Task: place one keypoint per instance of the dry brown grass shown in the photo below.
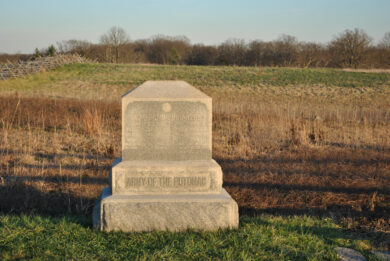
(278, 156)
(367, 70)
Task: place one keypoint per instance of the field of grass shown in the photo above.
(259, 238)
(108, 81)
(291, 142)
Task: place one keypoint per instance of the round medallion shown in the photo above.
(166, 107)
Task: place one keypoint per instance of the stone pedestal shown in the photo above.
(173, 212)
(166, 178)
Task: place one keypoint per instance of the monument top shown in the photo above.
(165, 89)
(166, 120)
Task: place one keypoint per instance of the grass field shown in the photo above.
(291, 142)
(259, 238)
(108, 81)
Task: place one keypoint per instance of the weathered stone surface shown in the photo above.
(166, 120)
(165, 212)
(348, 254)
(166, 177)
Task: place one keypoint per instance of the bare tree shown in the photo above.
(202, 55)
(349, 48)
(286, 50)
(232, 52)
(381, 54)
(385, 42)
(166, 49)
(310, 54)
(115, 38)
(255, 53)
(74, 46)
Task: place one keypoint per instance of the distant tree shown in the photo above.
(140, 51)
(383, 52)
(202, 55)
(74, 46)
(114, 39)
(36, 54)
(174, 57)
(349, 48)
(310, 54)
(256, 52)
(51, 51)
(165, 49)
(385, 42)
(232, 52)
(4, 58)
(97, 52)
(159, 48)
(285, 50)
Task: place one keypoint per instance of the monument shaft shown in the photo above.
(166, 130)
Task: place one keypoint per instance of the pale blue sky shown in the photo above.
(27, 24)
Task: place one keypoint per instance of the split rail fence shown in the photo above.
(22, 68)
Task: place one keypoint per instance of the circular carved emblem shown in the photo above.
(166, 107)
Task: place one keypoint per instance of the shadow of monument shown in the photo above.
(51, 156)
(44, 189)
(292, 187)
(19, 198)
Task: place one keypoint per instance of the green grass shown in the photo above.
(109, 81)
(226, 75)
(258, 238)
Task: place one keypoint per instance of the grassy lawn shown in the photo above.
(259, 238)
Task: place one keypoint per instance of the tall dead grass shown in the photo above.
(253, 125)
(278, 156)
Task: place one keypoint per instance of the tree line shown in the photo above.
(349, 49)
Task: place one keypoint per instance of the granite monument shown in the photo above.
(166, 178)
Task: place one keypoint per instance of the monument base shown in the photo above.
(137, 213)
(146, 177)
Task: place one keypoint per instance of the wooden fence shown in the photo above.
(12, 70)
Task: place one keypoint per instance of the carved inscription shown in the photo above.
(165, 182)
(157, 130)
(156, 180)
